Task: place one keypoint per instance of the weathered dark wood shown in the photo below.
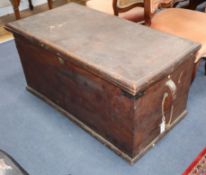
(95, 101)
(148, 112)
(117, 84)
(114, 49)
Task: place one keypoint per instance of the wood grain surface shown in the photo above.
(122, 52)
(127, 83)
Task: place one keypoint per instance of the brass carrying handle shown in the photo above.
(173, 89)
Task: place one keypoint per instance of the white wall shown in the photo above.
(23, 5)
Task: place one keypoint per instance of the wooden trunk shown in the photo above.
(124, 83)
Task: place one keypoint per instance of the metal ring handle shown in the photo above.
(172, 87)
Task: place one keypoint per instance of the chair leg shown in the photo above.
(15, 4)
(31, 5)
(17, 13)
(49, 4)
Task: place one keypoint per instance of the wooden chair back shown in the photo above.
(120, 6)
(150, 6)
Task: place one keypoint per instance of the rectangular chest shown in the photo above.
(124, 83)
